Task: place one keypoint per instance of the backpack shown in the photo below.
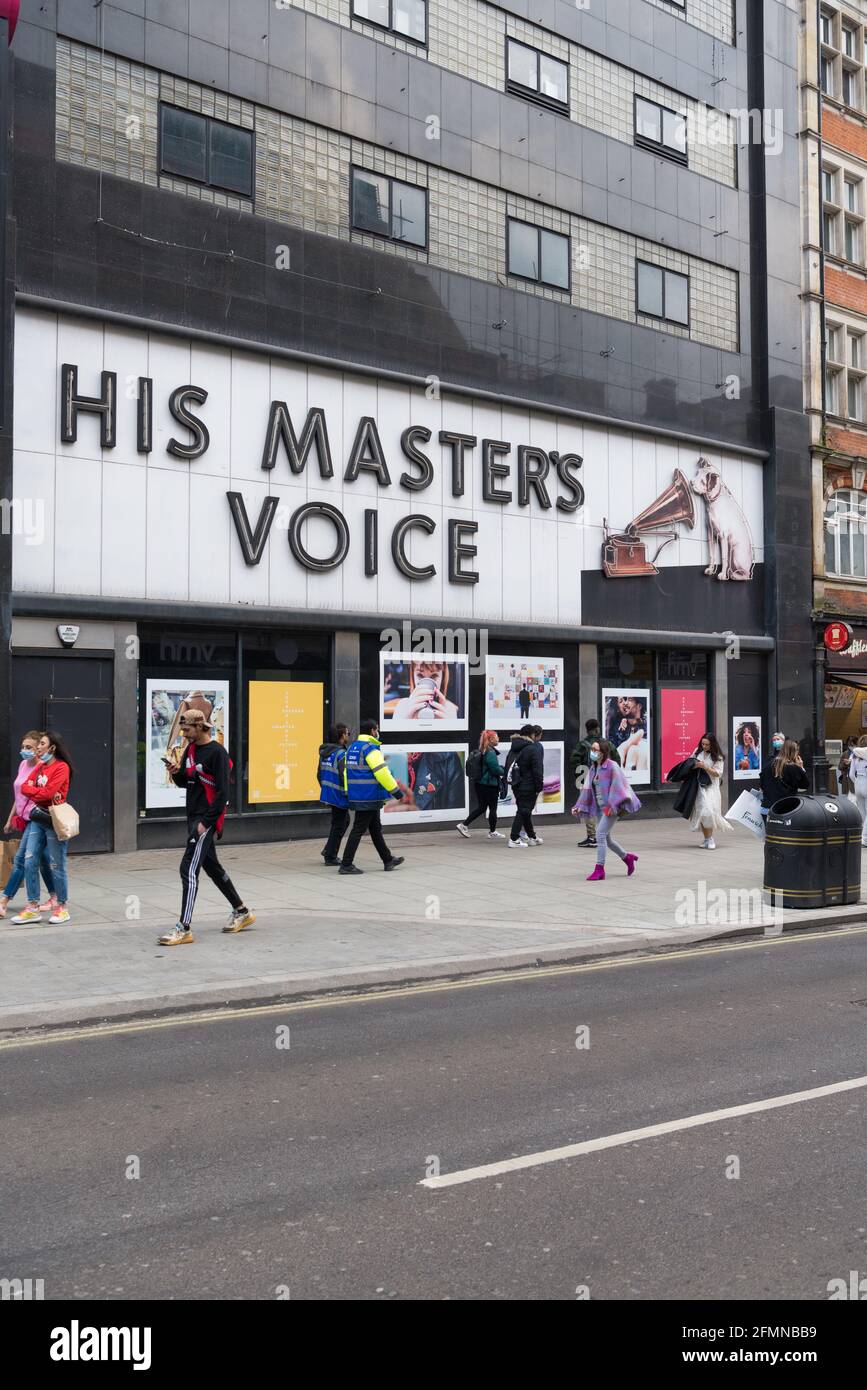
(474, 766)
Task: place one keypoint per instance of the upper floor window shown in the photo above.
(660, 128)
(206, 151)
(826, 27)
(846, 534)
(826, 74)
(534, 253)
(405, 17)
(851, 90)
(851, 189)
(849, 41)
(664, 294)
(529, 72)
(389, 208)
(845, 369)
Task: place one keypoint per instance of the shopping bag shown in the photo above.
(64, 820)
(10, 849)
(745, 812)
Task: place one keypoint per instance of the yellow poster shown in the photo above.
(284, 734)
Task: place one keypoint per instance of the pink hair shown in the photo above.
(489, 739)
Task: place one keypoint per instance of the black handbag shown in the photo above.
(40, 816)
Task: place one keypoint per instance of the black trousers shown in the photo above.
(488, 798)
(364, 822)
(339, 823)
(201, 854)
(524, 816)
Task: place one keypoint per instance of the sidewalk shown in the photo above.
(454, 907)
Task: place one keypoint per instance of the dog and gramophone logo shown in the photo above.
(729, 538)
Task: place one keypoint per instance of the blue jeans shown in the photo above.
(605, 838)
(42, 839)
(16, 878)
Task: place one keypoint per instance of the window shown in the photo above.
(853, 397)
(660, 128)
(846, 534)
(849, 36)
(828, 186)
(852, 240)
(850, 87)
(530, 72)
(826, 27)
(850, 194)
(832, 393)
(829, 239)
(388, 208)
(206, 151)
(664, 294)
(533, 253)
(826, 74)
(832, 343)
(405, 17)
(855, 349)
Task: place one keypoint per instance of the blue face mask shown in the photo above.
(28, 753)
(778, 743)
(46, 757)
(594, 756)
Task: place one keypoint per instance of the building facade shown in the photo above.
(371, 348)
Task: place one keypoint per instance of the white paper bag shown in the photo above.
(745, 812)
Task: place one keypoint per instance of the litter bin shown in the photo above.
(813, 851)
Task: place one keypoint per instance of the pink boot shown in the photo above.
(597, 873)
(630, 861)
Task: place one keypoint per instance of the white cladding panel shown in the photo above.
(117, 523)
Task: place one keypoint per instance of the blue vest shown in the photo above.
(362, 788)
(331, 779)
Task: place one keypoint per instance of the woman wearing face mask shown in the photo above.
(783, 774)
(707, 814)
(47, 785)
(19, 820)
(606, 792)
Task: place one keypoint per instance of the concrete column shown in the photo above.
(346, 704)
(126, 737)
(588, 684)
(719, 680)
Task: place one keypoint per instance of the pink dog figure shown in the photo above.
(727, 527)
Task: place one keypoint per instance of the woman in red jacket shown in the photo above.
(47, 785)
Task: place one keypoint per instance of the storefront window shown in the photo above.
(653, 707)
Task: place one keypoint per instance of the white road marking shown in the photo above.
(630, 1136)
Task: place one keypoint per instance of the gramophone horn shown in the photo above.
(675, 504)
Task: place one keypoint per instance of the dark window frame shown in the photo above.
(390, 179)
(537, 280)
(389, 27)
(657, 147)
(663, 317)
(206, 182)
(561, 108)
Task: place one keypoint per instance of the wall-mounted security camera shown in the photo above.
(68, 634)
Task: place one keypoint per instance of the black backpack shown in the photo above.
(474, 765)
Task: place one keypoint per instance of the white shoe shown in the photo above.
(538, 841)
(462, 830)
(523, 837)
(517, 844)
(496, 835)
(710, 844)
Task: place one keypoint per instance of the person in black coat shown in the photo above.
(783, 775)
(525, 768)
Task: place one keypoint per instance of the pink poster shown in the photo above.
(683, 715)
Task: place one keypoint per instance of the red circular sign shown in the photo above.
(838, 636)
(9, 10)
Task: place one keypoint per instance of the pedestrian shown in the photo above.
(486, 784)
(368, 784)
(784, 775)
(707, 813)
(332, 756)
(47, 785)
(844, 778)
(18, 821)
(581, 759)
(525, 770)
(606, 793)
(204, 774)
(858, 778)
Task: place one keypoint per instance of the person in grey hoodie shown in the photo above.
(525, 771)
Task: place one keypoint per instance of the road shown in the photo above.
(274, 1164)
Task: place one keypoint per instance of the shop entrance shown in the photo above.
(74, 695)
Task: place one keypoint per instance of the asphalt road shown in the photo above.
(268, 1169)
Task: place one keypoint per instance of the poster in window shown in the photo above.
(682, 721)
(436, 776)
(284, 733)
(421, 692)
(523, 690)
(626, 724)
(550, 799)
(167, 699)
(746, 747)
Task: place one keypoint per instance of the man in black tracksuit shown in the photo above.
(528, 759)
(204, 772)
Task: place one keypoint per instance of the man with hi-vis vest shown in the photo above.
(368, 784)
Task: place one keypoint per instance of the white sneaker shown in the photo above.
(517, 844)
(538, 841)
(462, 830)
(710, 844)
(523, 837)
(496, 835)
